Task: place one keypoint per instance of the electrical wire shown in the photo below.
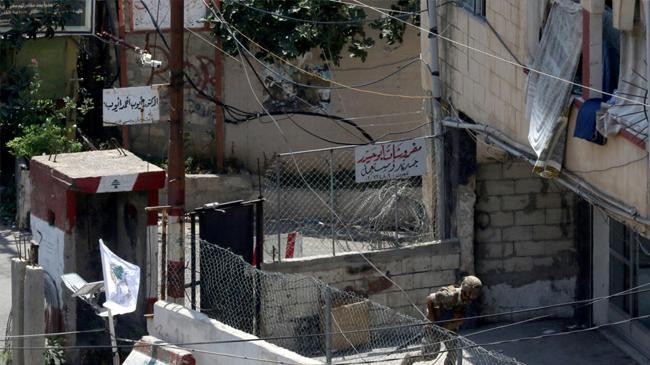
(324, 22)
(321, 77)
(277, 125)
(499, 58)
(645, 156)
(494, 343)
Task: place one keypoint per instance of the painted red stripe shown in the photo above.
(149, 181)
(291, 245)
(152, 217)
(87, 184)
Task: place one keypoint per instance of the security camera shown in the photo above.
(147, 60)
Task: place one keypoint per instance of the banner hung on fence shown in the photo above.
(131, 105)
(386, 161)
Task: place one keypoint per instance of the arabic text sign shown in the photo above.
(390, 160)
(79, 20)
(195, 11)
(131, 105)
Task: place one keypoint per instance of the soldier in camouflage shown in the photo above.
(448, 304)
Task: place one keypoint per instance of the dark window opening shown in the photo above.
(476, 7)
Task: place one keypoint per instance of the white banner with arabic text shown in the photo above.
(388, 161)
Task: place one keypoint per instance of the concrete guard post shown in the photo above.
(34, 316)
(18, 267)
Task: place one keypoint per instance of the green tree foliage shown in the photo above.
(291, 28)
(38, 124)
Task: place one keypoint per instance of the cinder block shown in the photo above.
(524, 218)
(501, 219)
(404, 281)
(489, 171)
(515, 202)
(518, 233)
(557, 215)
(500, 187)
(517, 170)
(518, 264)
(549, 200)
(495, 250)
(554, 247)
(418, 264)
(444, 262)
(488, 235)
(485, 266)
(529, 248)
(547, 232)
(489, 203)
(442, 278)
(531, 185)
(543, 261)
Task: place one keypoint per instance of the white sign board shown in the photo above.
(79, 20)
(387, 161)
(195, 10)
(131, 105)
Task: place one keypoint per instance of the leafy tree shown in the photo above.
(291, 28)
(38, 123)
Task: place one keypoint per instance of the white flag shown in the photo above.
(121, 282)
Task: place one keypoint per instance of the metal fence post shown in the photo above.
(395, 213)
(333, 214)
(278, 185)
(328, 325)
(193, 259)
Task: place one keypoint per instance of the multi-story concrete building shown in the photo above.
(580, 231)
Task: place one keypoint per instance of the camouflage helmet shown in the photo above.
(472, 284)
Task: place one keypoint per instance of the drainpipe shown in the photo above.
(646, 13)
(436, 125)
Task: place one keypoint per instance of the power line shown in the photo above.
(321, 77)
(277, 125)
(324, 22)
(518, 339)
(542, 73)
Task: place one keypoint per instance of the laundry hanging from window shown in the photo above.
(547, 98)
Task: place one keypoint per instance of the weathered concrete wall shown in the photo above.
(259, 139)
(525, 249)
(34, 315)
(419, 270)
(201, 189)
(487, 90)
(628, 178)
(176, 324)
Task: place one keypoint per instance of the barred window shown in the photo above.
(477, 7)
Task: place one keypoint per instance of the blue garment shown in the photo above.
(586, 122)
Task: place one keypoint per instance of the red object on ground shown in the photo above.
(291, 245)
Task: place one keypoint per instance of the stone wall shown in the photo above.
(419, 270)
(525, 249)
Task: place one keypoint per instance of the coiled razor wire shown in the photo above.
(291, 311)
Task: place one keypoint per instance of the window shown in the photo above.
(477, 7)
(629, 267)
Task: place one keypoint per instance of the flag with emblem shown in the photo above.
(121, 282)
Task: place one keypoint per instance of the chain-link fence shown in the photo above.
(306, 316)
(314, 206)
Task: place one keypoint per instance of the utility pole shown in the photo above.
(176, 161)
(219, 129)
(436, 124)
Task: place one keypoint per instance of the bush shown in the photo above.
(46, 138)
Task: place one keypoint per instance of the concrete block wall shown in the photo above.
(525, 249)
(488, 90)
(174, 323)
(418, 270)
